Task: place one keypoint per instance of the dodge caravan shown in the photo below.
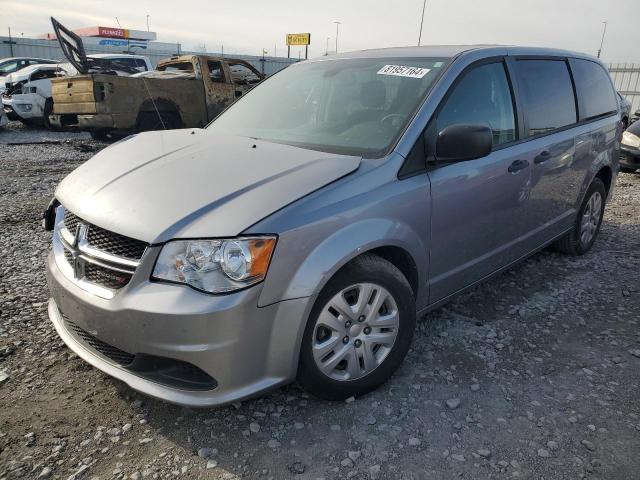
(301, 233)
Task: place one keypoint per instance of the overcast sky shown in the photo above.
(248, 26)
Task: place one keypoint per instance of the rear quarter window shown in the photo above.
(595, 93)
(547, 95)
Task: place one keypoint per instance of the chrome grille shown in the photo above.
(105, 240)
(98, 260)
(115, 244)
(70, 221)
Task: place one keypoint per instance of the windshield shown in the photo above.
(8, 67)
(351, 106)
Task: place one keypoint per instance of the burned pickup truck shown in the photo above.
(183, 91)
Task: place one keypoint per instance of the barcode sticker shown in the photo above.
(403, 71)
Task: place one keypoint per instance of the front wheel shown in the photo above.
(48, 110)
(359, 330)
(585, 231)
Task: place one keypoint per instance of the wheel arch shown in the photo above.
(606, 175)
(161, 107)
(161, 104)
(394, 241)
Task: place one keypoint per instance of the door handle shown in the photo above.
(542, 157)
(518, 165)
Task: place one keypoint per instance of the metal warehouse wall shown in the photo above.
(626, 78)
(27, 47)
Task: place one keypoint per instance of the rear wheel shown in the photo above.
(150, 121)
(585, 231)
(101, 135)
(359, 330)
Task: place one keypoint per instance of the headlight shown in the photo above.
(215, 266)
(630, 139)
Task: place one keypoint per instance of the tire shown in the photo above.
(574, 243)
(351, 376)
(100, 135)
(150, 121)
(48, 110)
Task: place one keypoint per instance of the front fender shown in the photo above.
(307, 278)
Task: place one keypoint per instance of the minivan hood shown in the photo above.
(190, 183)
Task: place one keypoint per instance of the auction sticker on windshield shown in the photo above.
(403, 71)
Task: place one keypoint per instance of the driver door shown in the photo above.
(478, 219)
(218, 88)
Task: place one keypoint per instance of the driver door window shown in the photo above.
(215, 72)
(482, 97)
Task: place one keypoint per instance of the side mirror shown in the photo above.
(463, 142)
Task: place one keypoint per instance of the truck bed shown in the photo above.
(118, 100)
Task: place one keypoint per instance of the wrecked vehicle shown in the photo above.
(13, 64)
(27, 96)
(184, 91)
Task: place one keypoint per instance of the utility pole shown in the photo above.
(337, 25)
(424, 6)
(147, 22)
(326, 52)
(604, 32)
(10, 43)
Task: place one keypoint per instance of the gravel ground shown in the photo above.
(532, 375)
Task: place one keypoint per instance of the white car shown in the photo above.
(13, 64)
(121, 64)
(27, 96)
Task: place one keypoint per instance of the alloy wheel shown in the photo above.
(590, 218)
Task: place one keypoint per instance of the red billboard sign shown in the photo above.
(110, 32)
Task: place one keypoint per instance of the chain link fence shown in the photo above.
(626, 78)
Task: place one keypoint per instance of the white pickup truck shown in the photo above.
(27, 94)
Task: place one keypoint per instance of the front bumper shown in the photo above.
(7, 106)
(629, 156)
(246, 349)
(27, 105)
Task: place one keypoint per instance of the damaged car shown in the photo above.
(183, 91)
(27, 96)
(13, 64)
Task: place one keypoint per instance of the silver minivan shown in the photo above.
(300, 234)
